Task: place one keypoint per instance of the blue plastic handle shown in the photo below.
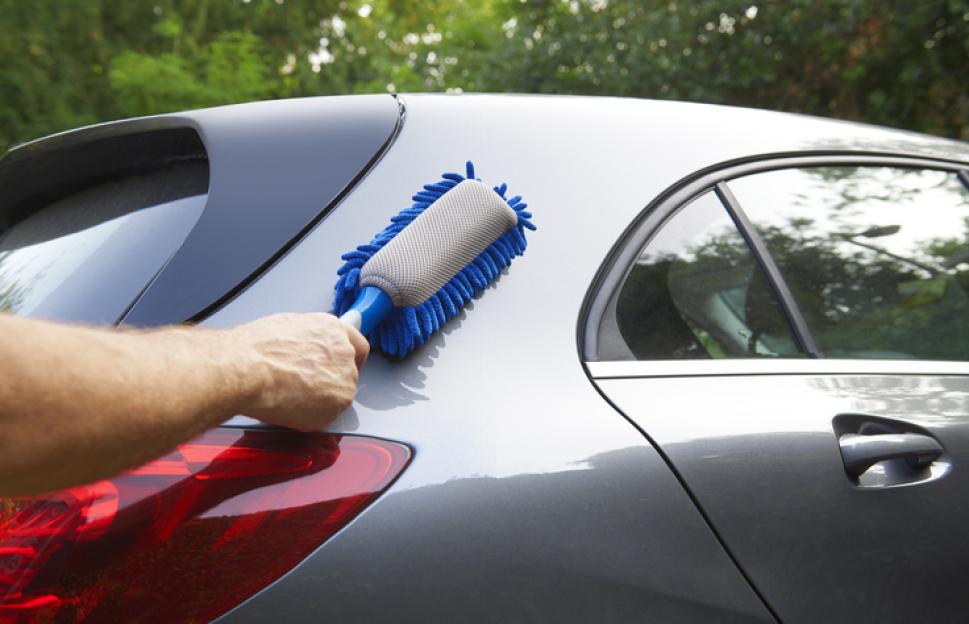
(371, 307)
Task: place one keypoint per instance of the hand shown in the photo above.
(309, 365)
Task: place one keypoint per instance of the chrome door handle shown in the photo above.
(860, 452)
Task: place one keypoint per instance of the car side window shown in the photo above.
(695, 291)
(876, 258)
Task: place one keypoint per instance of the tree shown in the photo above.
(71, 62)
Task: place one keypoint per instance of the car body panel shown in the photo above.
(498, 406)
(612, 539)
(761, 454)
(514, 448)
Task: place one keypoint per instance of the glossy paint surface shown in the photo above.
(529, 496)
(762, 457)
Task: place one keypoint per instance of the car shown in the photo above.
(727, 381)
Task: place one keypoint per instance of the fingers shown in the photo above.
(360, 346)
(313, 363)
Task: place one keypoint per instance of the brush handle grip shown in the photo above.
(371, 307)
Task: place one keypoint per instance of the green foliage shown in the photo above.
(231, 69)
(147, 84)
(895, 62)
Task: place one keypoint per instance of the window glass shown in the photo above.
(87, 256)
(877, 258)
(696, 292)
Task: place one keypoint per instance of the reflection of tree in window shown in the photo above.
(11, 290)
(875, 257)
(695, 292)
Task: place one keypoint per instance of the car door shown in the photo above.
(793, 335)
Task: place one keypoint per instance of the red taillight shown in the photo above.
(189, 536)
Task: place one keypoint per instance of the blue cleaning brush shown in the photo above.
(432, 259)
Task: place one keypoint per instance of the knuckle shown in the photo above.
(344, 350)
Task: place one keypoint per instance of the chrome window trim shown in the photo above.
(773, 366)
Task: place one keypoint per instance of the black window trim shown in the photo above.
(765, 261)
(614, 269)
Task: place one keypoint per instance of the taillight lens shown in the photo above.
(189, 536)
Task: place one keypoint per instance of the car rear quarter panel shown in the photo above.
(529, 496)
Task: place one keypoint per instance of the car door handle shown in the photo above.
(860, 452)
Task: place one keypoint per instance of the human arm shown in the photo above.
(82, 403)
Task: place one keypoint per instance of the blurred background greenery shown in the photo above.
(891, 62)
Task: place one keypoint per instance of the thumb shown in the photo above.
(360, 346)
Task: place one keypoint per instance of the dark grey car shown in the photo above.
(725, 383)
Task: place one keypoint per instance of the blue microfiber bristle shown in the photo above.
(407, 328)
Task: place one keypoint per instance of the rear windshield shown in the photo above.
(87, 256)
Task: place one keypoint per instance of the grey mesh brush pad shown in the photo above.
(441, 241)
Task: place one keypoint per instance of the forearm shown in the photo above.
(78, 404)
